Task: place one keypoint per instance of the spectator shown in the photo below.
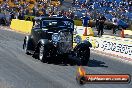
(26, 11)
(64, 15)
(72, 15)
(43, 10)
(2, 21)
(12, 15)
(61, 1)
(8, 19)
(20, 16)
(59, 14)
(86, 20)
(73, 2)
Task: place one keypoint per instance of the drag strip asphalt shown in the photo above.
(18, 70)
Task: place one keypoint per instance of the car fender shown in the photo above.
(87, 43)
(84, 44)
(46, 42)
(26, 39)
(42, 42)
(30, 42)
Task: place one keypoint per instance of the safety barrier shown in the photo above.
(79, 23)
(21, 25)
(86, 31)
(128, 32)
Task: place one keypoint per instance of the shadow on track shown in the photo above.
(96, 63)
(70, 62)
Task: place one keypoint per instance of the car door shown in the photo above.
(36, 32)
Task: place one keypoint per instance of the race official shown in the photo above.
(101, 25)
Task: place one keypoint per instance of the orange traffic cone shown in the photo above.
(85, 32)
(122, 33)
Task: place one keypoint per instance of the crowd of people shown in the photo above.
(111, 10)
(22, 8)
(122, 9)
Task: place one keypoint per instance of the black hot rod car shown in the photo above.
(51, 37)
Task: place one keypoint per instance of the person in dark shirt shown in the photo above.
(97, 23)
(12, 15)
(21, 16)
(101, 25)
(44, 10)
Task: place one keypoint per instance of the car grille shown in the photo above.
(65, 43)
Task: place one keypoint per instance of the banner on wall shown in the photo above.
(113, 46)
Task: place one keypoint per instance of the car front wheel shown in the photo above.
(42, 53)
(83, 55)
(26, 46)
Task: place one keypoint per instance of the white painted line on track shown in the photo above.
(9, 29)
(114, 57)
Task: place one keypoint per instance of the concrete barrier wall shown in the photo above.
(128, 32)
(21, 25)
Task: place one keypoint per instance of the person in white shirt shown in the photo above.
(115, 23)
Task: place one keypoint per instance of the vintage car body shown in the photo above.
(51, 37)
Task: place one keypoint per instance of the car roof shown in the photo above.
(51, 18)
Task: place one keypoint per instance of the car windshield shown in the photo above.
(57, 23)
